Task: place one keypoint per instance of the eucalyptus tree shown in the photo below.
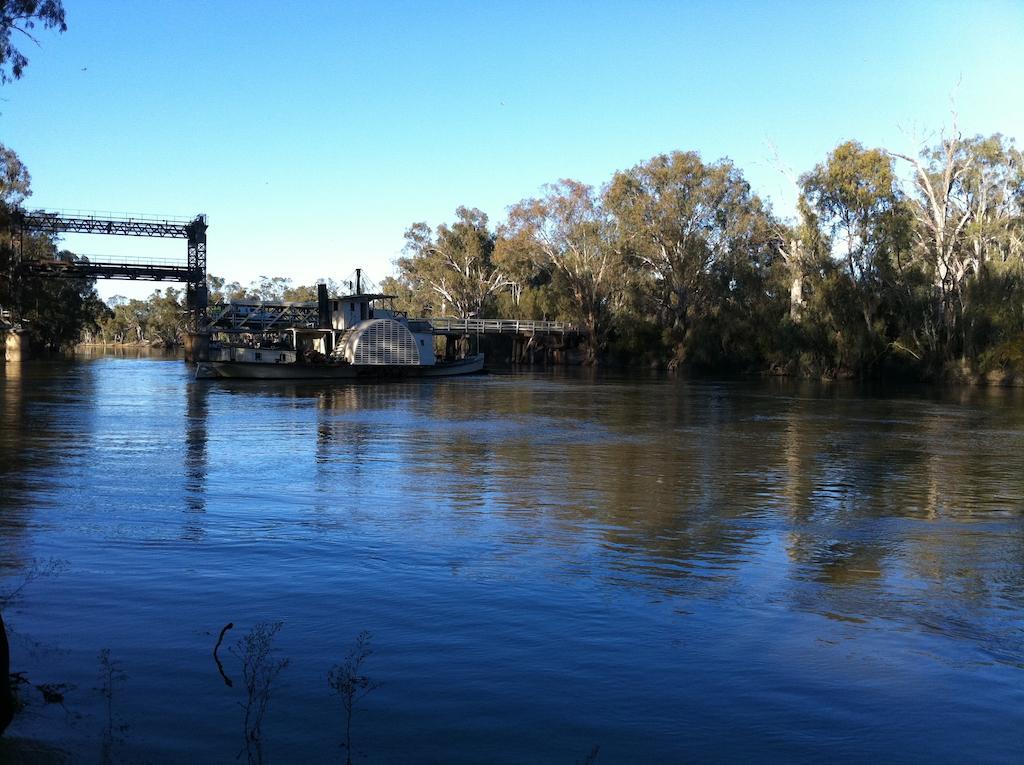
(994, 184)
(518, 260)
(967, 207)
(855, 196)
(803, 251)
(569, 233)
(166, 321)
(853, 193)
(993, 297)
(55, 311)
(126, 322)
(22, 16)
(413, 302)
(15, 186)
(942, 213)
(454, 263)
(685, 223)
(223, 291)
(15, 182)
(271, 288)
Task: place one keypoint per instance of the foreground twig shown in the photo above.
(110, 674)
(216, 658)
(348, 683)
(259, 669)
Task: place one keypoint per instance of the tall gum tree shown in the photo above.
(678, 217)
(967, 207)
(568, 232)
(942, 215)
(801, 247)
(851, 192)
(854, 195)
(455, 263)
(996, 192)
(15, 187)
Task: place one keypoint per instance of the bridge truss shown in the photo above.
(258, 316)
(191, 271)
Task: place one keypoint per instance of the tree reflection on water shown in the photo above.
(492, 517)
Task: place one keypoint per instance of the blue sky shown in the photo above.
(313, 134)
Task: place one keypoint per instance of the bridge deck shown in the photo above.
(445, 326)
(153, 270)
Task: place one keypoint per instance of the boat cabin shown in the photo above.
(348, 310)
(367, 330)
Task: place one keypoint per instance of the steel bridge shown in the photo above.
(111, 267)
(191, 270)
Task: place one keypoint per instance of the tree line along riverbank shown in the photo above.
(896, 265)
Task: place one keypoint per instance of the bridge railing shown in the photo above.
(502, 326)
(113, 215)
(123, 260)
(161, 227)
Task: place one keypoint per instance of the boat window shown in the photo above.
(259, 356)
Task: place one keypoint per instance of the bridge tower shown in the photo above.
(197, 293)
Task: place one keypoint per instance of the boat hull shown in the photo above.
(245, 370)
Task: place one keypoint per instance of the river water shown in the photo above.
(545, 563)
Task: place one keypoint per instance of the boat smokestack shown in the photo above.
(323, 306)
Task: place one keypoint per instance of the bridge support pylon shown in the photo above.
(197, 346)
